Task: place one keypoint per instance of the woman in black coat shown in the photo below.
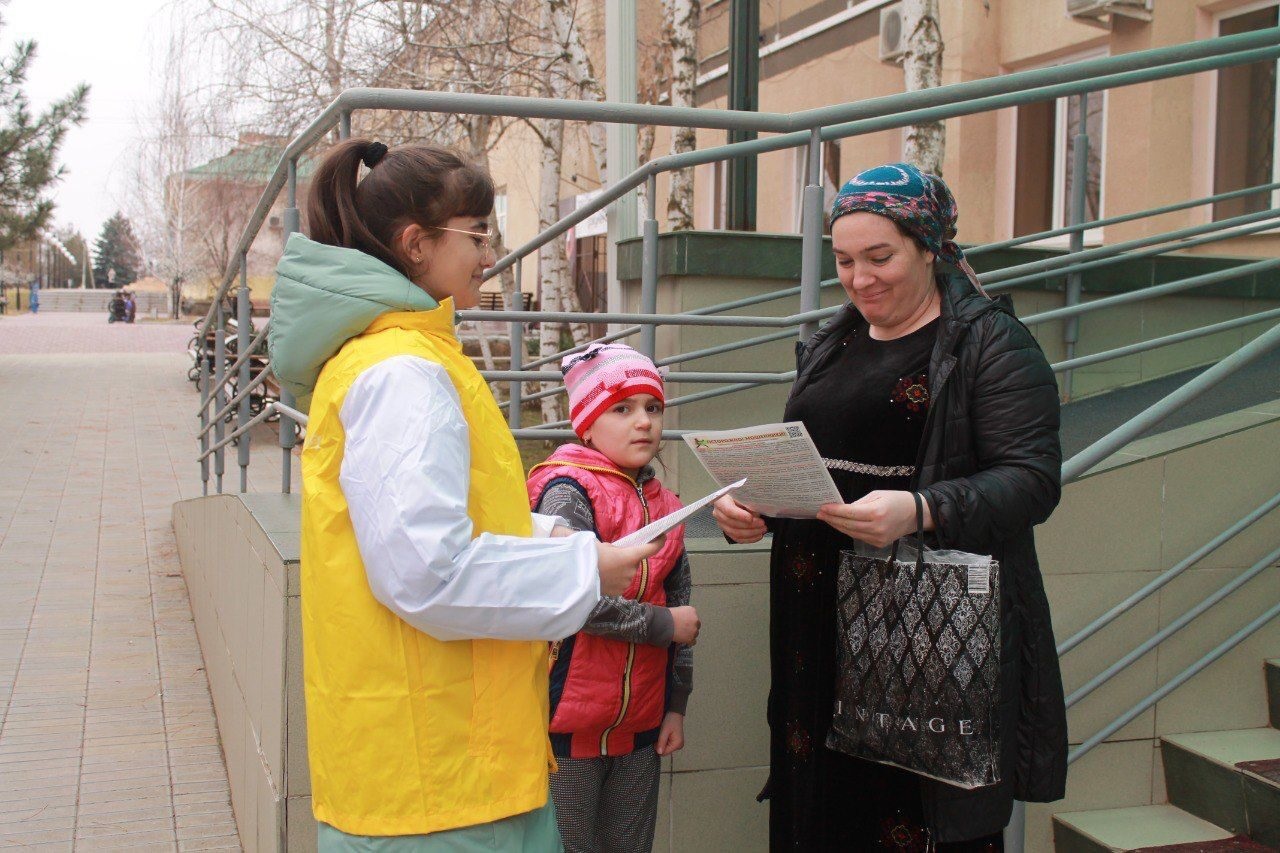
(921, 384)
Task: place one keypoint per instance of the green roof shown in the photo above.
(252, 164)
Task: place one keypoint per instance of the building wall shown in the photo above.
(1157, 137)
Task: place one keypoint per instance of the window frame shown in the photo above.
(1058, 215)
(1218, 17)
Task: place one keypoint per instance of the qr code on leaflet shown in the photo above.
(793, 432)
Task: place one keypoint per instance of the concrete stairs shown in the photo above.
(1223, 789)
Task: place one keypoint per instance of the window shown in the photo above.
(1045, 151)
(1245, 127)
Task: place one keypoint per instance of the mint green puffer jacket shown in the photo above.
(324, 296)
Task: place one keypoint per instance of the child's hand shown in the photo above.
(739, 523)
(671, 735)
(687, 625)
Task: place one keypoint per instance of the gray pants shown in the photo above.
(607, 805)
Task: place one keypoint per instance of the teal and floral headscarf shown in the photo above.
(921, 203)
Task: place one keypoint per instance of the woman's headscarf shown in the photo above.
(921, 203)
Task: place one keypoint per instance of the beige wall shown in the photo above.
(1157, 136)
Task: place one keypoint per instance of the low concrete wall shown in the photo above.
(1135, 516)
(239, 557)
(94, 301)
(1138, 514)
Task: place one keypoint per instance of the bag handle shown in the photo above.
(893, 554)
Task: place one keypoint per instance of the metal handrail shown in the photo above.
(958, 99)
(1066, 265)
(718, 308)
(911, 107)
(734, 346)
(249, 351)
(675, 376)
(234, 401)
(1050, 267)
(1042, 317)
(1172, 628)
(1082, 462)
(1116, 220)
(1180, 246)
(1150, 292)
(1164, 341)
(810, 128)
(267, 411)
(1138, 295)
(949, 101)
(1173, 684)
(1157, 583)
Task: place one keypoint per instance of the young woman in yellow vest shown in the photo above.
(429, 590)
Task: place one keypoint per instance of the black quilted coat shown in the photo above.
(989, 467)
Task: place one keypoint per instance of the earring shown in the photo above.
(417, 260)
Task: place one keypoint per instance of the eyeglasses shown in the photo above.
(485, 239)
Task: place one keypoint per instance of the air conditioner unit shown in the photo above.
(1095, 9)
(893, 37)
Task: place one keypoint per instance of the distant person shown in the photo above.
(130, 306)
(34, 299)
(116, 312)
(428, 597)
(620, 686)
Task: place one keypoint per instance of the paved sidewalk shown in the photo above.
(107, 733)
(59, 332)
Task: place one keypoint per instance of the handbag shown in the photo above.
(918, 661)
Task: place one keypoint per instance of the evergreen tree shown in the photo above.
(116, 249)
(29, 148)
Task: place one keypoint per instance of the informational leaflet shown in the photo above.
(650, 532)
(786, 477)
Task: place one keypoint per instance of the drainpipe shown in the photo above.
(744, 94)
(1079, 180)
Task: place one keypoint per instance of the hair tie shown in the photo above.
(373, 154)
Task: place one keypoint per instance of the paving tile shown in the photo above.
(221, 842)
(104, 696)
(103, 826)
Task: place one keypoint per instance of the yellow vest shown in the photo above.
(407, 734)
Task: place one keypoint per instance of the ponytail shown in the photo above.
(418, 184)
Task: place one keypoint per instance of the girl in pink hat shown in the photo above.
(620, 686)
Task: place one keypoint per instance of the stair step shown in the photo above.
(1137, 828)
(1229, 778)
(1272, 670)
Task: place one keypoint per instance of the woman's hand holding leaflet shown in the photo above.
(879, 518)
(618, 566)
(739, 523)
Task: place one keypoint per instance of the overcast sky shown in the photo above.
(109, 46)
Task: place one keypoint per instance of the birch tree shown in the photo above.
(682, 24)
(577, 66)
(173, 138)
(922, 69)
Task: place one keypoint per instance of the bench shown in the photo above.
(494, 301)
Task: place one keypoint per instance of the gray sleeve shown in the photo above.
(614, 617)
(679, 586)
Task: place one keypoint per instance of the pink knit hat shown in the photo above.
(603, 375)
